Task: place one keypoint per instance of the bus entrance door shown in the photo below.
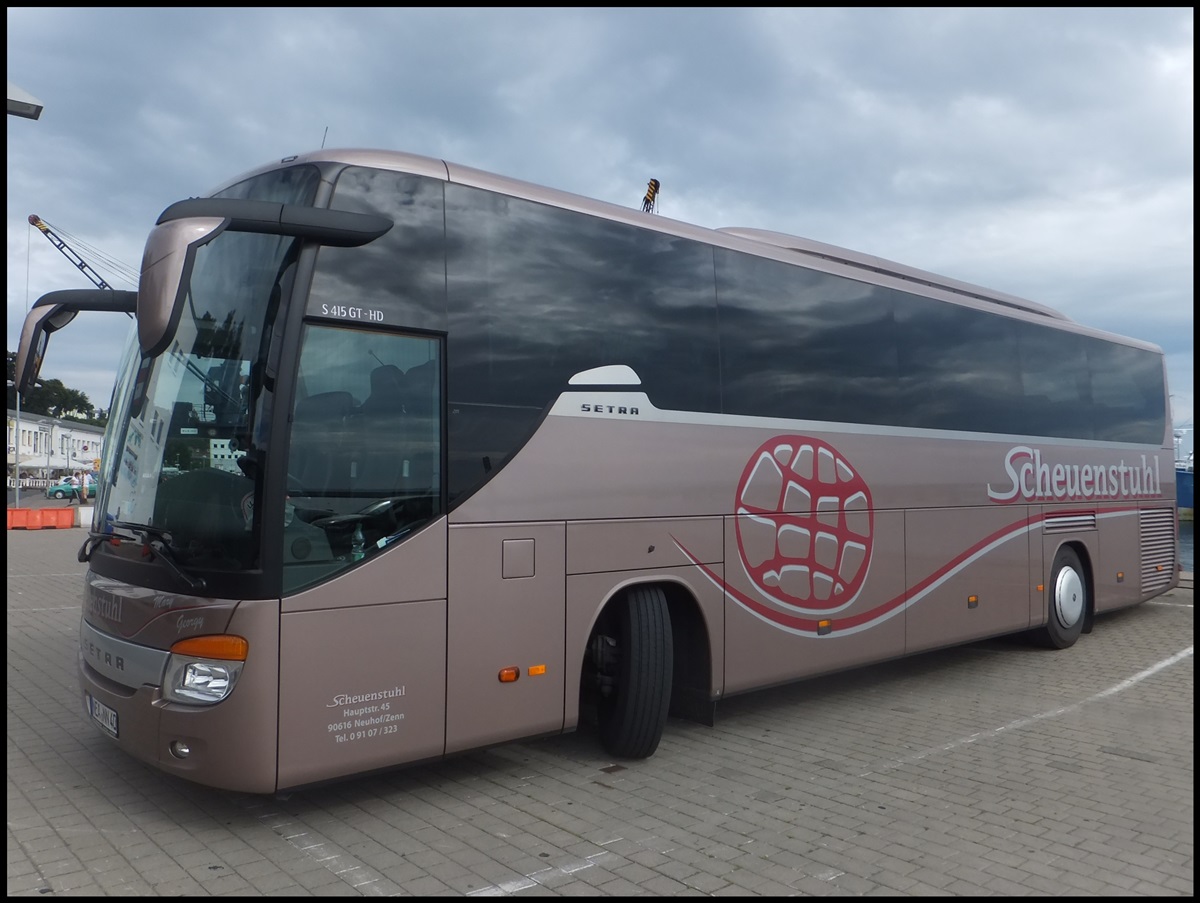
(362, 665)
(506, 618)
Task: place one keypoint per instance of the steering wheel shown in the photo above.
(377, 508)
(339, 520)
(335, 521)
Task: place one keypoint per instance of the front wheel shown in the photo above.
(1068, 602)
(633, 656)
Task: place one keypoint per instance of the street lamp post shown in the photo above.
(17, 453)
(17, 449)
(23, 104)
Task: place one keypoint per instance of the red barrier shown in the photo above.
(55, 518)
(58, 518)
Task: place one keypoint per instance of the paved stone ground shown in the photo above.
(993, 769)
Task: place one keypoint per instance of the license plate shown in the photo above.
(103, 716)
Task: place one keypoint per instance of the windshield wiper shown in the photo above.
(89, 545)
(156, 539)
(164, 551)
(94, 539)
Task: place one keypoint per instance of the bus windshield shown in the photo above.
(194, 412)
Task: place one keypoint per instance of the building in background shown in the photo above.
(49, 448)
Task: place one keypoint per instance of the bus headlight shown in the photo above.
(199, 681)
(204, 670)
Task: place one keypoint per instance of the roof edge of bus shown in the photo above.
(858, 259)
(811, 248)
(403, 161)
(357, 156)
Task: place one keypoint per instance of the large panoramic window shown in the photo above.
(537, 294)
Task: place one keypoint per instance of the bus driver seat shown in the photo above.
(319, 457)
(422, 403)
(387, 392)
(381, 433)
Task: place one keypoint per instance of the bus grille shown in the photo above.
(1157, 527)
(1070, 523)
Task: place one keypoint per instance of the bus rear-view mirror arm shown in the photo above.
(335, 228)
(52, 312)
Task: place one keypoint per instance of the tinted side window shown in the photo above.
(800, 343)
(295, 185)
(959, 368)
(537, 294)
(364, 458)
(532, 294)
(1127, 392)
(398, 280)
(1055, 392)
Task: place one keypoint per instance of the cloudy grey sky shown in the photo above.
(1047, 153)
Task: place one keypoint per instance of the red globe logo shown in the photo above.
(805, 524)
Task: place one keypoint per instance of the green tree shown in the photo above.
(50, 397)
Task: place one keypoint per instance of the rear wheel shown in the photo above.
(1068, 602)
(633, 658)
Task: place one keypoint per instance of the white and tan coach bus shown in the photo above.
(408, 459)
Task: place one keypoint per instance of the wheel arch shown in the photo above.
(692, 689)
(692, 638)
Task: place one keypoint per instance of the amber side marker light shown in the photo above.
(972, 601)
(1121, 576)
(224, 647)
(824, 628)
(508, 675)
(1041, 587)
(535, 670)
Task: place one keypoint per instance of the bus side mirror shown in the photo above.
(52, 312)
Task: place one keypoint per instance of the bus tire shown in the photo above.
(631, 718)
(1068, 602)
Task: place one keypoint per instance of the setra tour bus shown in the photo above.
(407, 459)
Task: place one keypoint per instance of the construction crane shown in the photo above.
(35, 220)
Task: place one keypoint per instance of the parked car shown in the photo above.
(62, 489)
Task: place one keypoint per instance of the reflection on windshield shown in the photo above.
(118, 411)
(364, 466)
(189, 414)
